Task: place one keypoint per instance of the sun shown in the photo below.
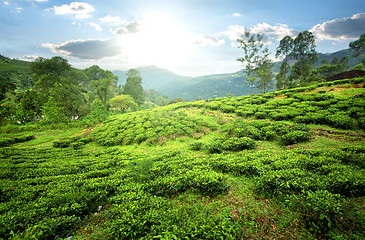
(160, 41)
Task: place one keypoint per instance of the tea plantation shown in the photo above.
(289, 166)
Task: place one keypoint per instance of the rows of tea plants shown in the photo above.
(151, 126)
(159, 126)
(166, 173)
(297, 105)
(48, 193)
(323, 185)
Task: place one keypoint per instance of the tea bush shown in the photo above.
(321, 210)
(294, 137)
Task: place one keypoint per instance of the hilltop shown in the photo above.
(289, 166)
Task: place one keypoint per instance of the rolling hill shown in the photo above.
(288, 166)
(210, 86)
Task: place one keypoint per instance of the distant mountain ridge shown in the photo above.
(174, 86)
(152, 77)
(211, 86)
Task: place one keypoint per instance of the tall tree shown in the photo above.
(282, 76)
(255, 53)
(358, 45)
(283, 50)
(265, 75)
(102, 82)
(123, 102)
(6, 85)
(304, 52)
(54, 78)
(133, 86)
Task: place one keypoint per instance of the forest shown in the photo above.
(85, 158)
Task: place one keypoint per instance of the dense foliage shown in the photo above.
(289, 166)
(52, 92)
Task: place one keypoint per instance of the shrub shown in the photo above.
(260, 115)
(342, 121)
(294, 137)
(196, 146)
(321, 210)
(238, 144)
(7, 141)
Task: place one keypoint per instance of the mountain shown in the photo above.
(207, 87)
(353, 61)
(152, 77)
(211, 86)
(190, 88)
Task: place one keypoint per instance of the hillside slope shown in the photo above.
(289, 166)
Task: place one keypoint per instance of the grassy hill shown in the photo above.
(13, 66)
(289, 166)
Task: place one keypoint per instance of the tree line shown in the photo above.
(299, 58)
(56, 92)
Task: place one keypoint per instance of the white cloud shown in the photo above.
(6, 3)
(113, 21)
(208, 41)
(236, 15)
(80, 10)
(19, 9)
(41, 0)
(270, 33)
(29, 57)
(96, 26)
(341, 29)
(86, 49)
(131, 27)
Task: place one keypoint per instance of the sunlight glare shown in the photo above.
(159, 42)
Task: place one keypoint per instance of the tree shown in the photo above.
(123, 102)
(335, 60)
(98, 110)
(299, 72)
(324, 71)
(265, 75)
(30, 105)
(360, 66)
(56, 65)
(6, 85)
(281, 77)
(344, 62)
(54, 78)
(254, 55)
(52, 113)
(304, 52)
(133, 86)
(358, 45)
(102, 82)
(283, 50)
(324, 61)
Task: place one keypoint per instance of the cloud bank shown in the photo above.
(112, 20)
(86, 49)
(131, 27)
(208, 41)
(341, 29)
(80, 10)
(270, 32)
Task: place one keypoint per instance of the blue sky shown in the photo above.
(188, 37)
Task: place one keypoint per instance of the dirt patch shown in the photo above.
(336, 134)
(346, 75)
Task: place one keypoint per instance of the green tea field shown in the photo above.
(291, 165)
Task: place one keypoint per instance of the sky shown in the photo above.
(188, 37)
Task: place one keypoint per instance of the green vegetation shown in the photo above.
(52, 92)
(288, 166)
